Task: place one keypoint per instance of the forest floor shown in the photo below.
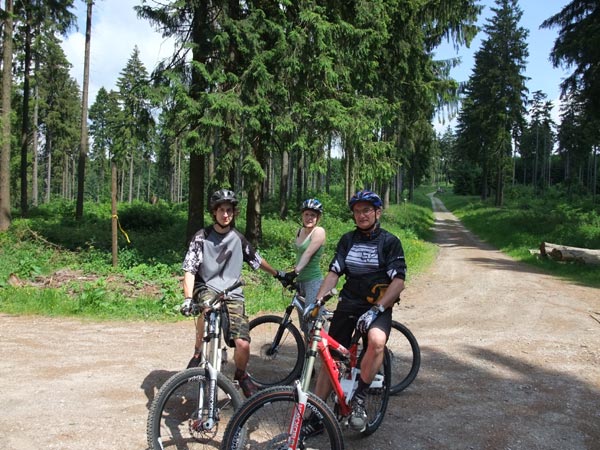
(510, 360)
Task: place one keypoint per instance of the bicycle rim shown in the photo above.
(271, 365)
(175, 419)
(405, 356)
(264, 420)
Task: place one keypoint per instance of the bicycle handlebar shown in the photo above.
(197, 308)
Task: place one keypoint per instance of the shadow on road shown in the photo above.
(153, 381)
(485, 399)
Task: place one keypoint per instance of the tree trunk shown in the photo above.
(7, 44)
(25, 112)
(283, 184)
(49, 167)
(567, 253)
(300, 177)
(130, 197)
(83, 146)
(253, 210)
(113, 205)
(196, 205)
(328, 173)
(253, 215)
(34, 140)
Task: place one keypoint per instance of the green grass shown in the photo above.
(526, 220)
(65, 268)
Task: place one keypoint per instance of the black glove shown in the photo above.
(286, 279)
(186, 307)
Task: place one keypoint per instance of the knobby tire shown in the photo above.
(263, 422)
(173, 414)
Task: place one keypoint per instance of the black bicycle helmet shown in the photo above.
(222, 196)
(365, 196)
(313, 204)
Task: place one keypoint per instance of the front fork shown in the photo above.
(297, 417)
(285, 320)
(212, 416)
(210, 349)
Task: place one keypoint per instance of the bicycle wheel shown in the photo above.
(377, 398)
(405, 357)
(263, 422)
(175, 421)
(276, 352)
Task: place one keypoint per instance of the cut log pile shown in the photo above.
(566, 253)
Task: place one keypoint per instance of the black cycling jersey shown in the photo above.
(369, 262)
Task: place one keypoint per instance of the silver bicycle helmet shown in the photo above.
(313, 204)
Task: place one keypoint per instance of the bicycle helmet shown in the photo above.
(222, 196)
(365, 196)
(312, 204)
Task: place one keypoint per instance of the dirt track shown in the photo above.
(511, 360)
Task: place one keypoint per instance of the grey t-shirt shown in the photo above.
(216, 259)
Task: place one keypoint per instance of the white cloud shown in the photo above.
(116, 30)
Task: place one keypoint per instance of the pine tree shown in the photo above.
(493, 114)
(105, 122)
(577, 47)
(7, 46)
(60, 115)
(138, 124)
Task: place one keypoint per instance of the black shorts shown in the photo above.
(345, 317)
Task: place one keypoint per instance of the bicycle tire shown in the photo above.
(376, 400)
(405, 356)
(283, 366)
(264, 421)
(172, 412)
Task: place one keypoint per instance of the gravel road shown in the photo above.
(510, 360)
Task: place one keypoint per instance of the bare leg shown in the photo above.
(199, 334)
(323, 384)
(373, 357)
(241, 354)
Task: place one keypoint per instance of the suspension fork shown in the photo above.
(212, 360)
(211, 395)
(297, 417)
(285, 320)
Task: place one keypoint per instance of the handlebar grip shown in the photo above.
(328, 295)
(315, 312)
(234, 286)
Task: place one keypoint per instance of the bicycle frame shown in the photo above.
(212, 346)
(323, 345)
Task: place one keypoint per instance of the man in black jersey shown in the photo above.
(372, 261)
(213, 263)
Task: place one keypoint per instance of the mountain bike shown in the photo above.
(277, 351)
(193, 406)
(273, 417)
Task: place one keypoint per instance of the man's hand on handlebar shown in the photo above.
(311, 310)
(186, 307)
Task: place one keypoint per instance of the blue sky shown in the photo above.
(116, 30)
(543, 76)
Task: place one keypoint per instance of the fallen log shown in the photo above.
(566, 253)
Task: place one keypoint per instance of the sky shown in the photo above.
(116, 30)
